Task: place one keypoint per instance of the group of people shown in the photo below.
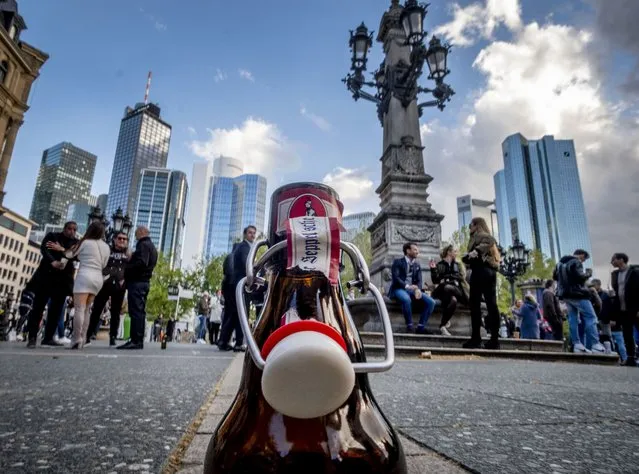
(452, 285)
(93, 273)
(571, 285)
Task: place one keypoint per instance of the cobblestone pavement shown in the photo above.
(503, 416)
(100, 410)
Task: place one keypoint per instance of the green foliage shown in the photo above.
(363, 242)
(158, 303)
(206, 276)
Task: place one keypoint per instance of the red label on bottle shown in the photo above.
(305, 202)
(313, 245)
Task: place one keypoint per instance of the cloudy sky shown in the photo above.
(260, 81)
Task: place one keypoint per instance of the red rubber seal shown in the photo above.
(299, 326)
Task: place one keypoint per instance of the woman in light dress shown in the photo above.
(93, 254)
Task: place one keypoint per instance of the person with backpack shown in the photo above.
(571, 288)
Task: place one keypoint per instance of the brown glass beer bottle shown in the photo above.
(305, 405)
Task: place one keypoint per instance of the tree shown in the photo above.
(363, 242)
(459, 239)
(206, 276)
(158, 303)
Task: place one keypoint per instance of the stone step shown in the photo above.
(454, 342)
(377, 350)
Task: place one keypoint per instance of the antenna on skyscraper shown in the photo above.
(148, 87)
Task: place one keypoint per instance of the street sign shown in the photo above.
(174, 292)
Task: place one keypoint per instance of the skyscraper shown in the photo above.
(196, 224)
(544, 201)
(143, 143)
(233, 204)
(356, 223)
(501, 205)
(469, 208)
(102, 201)
(79, 213)
(161, 207)
(65, 177)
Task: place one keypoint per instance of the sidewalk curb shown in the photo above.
(194, 443)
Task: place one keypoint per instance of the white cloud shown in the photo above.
(477, 21)
(319, 122)
(260, 145)
(157, 23)
(191, 131)
(545, 80)
(246, 74)
(219, 75)
(355, 189)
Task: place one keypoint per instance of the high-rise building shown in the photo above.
(65, 176)
(233, 204)
(544, 201)
(356, 223)
(501, 206)
(102, 201)
(20, 65)
(199, 200)
(161, 207)
(143, 143)
(468, 208)
(78, 212)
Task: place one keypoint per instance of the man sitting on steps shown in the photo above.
(407, 285)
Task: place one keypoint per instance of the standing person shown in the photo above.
(215, 318)
(93, 254)
(407, 285)
(625, 283)
(571, 278)
(483, 258)
(203, 311)
(137, 273)
(231, 319)
(53, 280)
(113, 288)
(452, 288)
(552, 311)
(530, 318)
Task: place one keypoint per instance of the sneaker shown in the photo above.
(599, 348)
(31, 344)
(580, 348)
(627, 363)
(51, 342)
(448, 325)
(65, 340)
(87, 343)
(444, 331)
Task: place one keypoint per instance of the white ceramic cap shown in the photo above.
(307, 374)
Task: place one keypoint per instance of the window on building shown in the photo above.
(4, 71)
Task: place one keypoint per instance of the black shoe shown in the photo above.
(423, 330)
(472, 344)
(241, 348)
(112, 341)
(75, 347)
(31, 344)
(52, 343)
(224, 347)
(130, 345)
(628, 363)
(493, 344)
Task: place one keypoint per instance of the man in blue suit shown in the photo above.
(407, 286)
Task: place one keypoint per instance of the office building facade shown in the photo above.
(544, 200)
(78, 212)
(65, 176)
(356, 223)
(143, 142)
(18, 258)
(161, 207)
(20, 65)
(101, 202)
(233, 204)
(501, 206)
(469, 208)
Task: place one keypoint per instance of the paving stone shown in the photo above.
(197, 450)
(209, 424)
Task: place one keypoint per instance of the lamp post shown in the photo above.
(406, 215)
(119, 222)
(514, 263)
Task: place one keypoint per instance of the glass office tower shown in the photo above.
(161, 207)
(65, 177)
(544, 201)
(234, 203)
(143, 143)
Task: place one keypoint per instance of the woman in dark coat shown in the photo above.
(450, 277)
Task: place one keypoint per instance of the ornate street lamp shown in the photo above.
(119, 222)
(514, 263)
(96, 215)
(400, 80)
